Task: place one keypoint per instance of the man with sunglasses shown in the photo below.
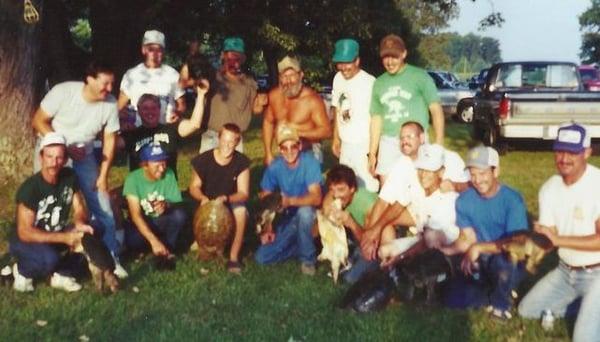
(297, 175)
(151, 76)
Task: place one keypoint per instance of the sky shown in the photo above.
(532, 30)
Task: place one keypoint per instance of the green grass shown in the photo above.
(265, 303)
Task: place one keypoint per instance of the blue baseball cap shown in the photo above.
(572, 138)
(153, 152)
(346, 51)
(235, 44)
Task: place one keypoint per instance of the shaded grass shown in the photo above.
(265, 303)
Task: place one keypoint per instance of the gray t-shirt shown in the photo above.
(78, 120)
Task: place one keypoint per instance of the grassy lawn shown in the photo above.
(201, 301)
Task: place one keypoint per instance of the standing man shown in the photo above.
(224, 174)
(351, 97)
(234, 97)
(80, 111)
(486, 213)
(152, 77)
(297, 175)
(299, 107)
(403, 93)
(44, 202)
(570, 218)
(153, 198)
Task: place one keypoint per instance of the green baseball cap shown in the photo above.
(233, 44)
(346, 51)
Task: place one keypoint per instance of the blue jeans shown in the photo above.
(496, 279)
(559, 290)
(360, 266)
(166, 227)
(98, 203)
(293, 238)
(38, 260)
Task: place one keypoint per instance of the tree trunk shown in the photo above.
(21, 83)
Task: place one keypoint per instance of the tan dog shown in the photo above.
(530, 247)
(335, 244)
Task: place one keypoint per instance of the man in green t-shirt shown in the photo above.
(402, 93)
(44, 202)
(152, 196)
(356, 204)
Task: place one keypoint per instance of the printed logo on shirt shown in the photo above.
(394, 99)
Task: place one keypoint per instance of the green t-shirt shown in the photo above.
(402, 97)
(137, 185)
(361, 203)
(50, 202)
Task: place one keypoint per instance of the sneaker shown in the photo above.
(308, 269)
(21, 283)
(120, 271)
(69, 284)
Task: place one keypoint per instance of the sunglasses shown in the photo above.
(289, 148)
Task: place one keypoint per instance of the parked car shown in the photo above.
(478, 80)
(590, 76)
(450, 92)
(531, 100)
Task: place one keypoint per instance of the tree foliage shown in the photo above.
(589, 22)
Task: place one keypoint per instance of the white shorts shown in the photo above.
(389, 152)
(354, 155)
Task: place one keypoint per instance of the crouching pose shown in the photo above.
(297, 175)
(570, 218)
(486, 214)
(44, 201)
(153, 197)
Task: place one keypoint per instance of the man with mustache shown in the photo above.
(80, 111)
(296, 105)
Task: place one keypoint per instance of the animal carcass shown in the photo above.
(335, 244)
(100, 262)
(269, 207)
(530, 247)
(213, 225)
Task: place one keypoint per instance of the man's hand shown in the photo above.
(84, 228)
(336, 147)
(202, 86)
(286, 201)
(160, 207)
(267, 237)
(370, 243)
(101, 184)
(268, 159)
(372, 164)
(159, 249)
(469, 262)
(549, 232)
(73, 238)
(76, 151)
(221, 199)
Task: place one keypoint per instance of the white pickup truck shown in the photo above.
(531, 100)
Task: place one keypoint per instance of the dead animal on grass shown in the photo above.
(529, 247)
(100, 262)
(269, 208)
(372, 292)
(213, 225)
(335, 244)
(424, 271)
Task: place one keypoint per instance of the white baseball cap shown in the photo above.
(53, 138)
(430, 157)
(154, 37)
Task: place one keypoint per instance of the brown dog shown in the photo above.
(100, 263)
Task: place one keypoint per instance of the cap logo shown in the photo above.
(569, 136)
(156, 150)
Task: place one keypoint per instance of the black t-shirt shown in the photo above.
(167, 135)
(50, 202)
(218, 179)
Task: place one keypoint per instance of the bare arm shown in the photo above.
(336, 143)
(243, 188)
(80, 215)
(135, 212)
(189, 126)
(466, 239)
(260, 101)
(30, 234)
(437, 119)
(374, 136)
(41, 122)
(122, 101)
(268, 127)
(196, 188)
(583, 243)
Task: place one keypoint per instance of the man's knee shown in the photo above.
(306, 216)
(178, 216)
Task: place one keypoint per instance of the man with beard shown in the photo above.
(298, 106)
(152, 76)
(233, 98)
(223, 174)
(80, 111)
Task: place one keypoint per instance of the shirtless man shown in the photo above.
(298, 106)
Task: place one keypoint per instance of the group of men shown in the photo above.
(390, 181)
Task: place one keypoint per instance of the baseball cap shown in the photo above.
(288, 62)
(285, 133)
(235, 44)
(346, 50)
(572, 138)
(391, 45)
(430, 157)
(153, 152)
(154, 37)
(483, 157)
(53, 138)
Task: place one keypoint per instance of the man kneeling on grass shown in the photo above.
(297, 175)
(44, 201)
(152, 197)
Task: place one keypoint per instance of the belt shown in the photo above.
(580, 268)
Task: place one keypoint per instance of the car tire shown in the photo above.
(465, 114)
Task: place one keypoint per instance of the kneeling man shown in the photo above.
(297, 175)
(153, 198)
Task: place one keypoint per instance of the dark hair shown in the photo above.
(341, 174)
(148, 97)
(97, 67)
(231, 127)
(413, 123)
(199, 67)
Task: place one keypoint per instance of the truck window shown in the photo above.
(537, 76)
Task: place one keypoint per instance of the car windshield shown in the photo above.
(588, 74)
(536, 76)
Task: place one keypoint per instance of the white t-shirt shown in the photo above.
(455, 168)
(162, 82)
(75, 118)
(352, 99)
(438, 212)
(573, 210)
(402, 184)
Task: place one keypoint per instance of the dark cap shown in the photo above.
(391, 45)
